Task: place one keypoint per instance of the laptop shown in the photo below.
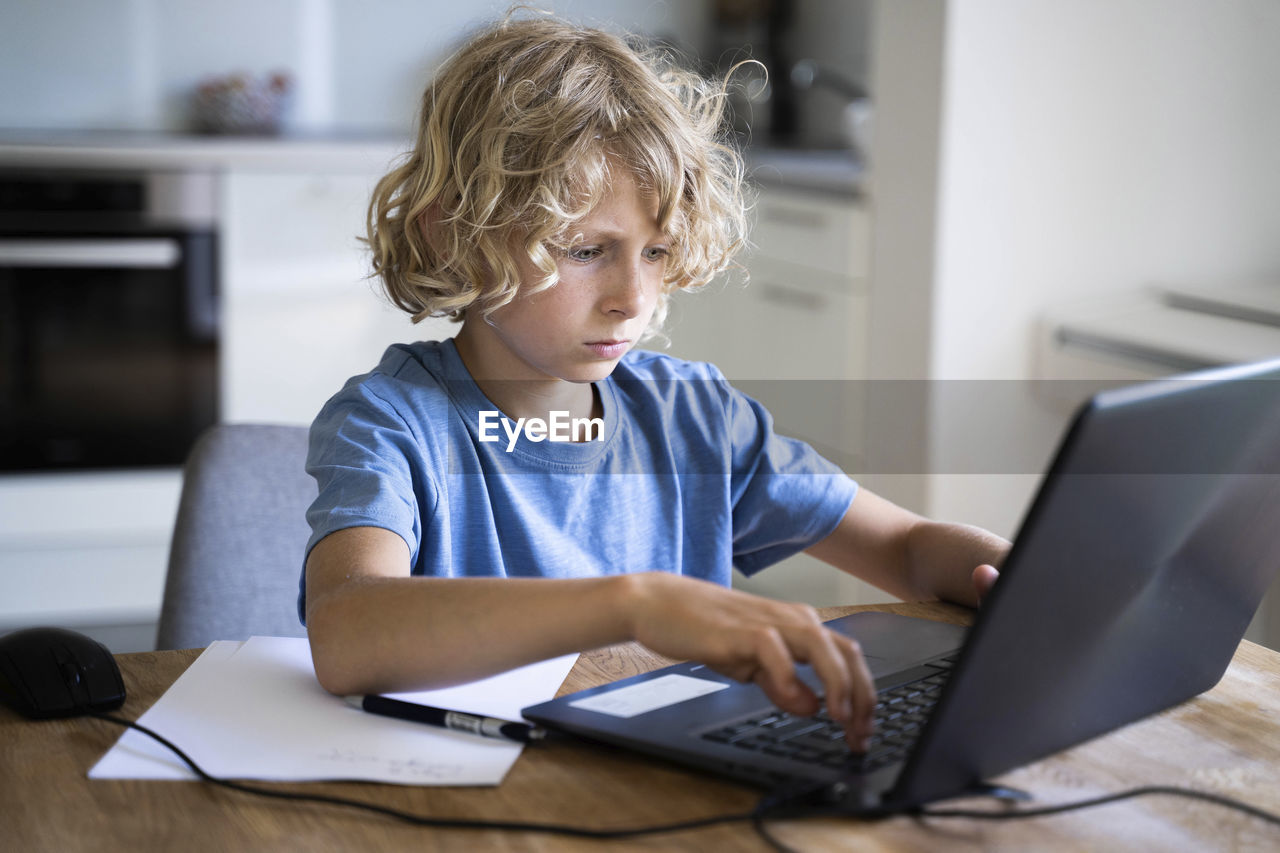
(1133, 577)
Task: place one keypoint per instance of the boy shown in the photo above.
(562, 186)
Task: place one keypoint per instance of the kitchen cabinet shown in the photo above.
(86, 549)
(794, 338)
(300, 315)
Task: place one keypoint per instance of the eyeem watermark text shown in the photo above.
(560, 427)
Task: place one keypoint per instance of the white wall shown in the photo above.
(1093, 146)
(1090, 147)
(360, 65)
(906, 77)
(1032, 153)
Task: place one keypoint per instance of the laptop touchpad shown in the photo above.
(891, 643)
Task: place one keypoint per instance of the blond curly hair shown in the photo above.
(516, 138)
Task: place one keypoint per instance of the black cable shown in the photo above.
(1016, 814)
(754, 816)
(757, 823)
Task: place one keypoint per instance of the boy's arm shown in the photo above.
(912, 557)
(373, 628)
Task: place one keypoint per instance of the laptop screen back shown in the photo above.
(1133, 578)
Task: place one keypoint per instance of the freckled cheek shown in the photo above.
(653, 283)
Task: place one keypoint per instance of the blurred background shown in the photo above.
(969, 214)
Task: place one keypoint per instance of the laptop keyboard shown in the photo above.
(900, 713)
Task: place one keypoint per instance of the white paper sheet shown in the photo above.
(255, 711)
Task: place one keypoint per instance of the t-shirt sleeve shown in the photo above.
(361, 455)
(785, 495)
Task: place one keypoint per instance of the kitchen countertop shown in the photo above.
(152, 150)
(825, 170)
(828, 171)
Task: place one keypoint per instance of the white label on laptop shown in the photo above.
(648, 696)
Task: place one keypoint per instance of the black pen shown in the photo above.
(459, 721)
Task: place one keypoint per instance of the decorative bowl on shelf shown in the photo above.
(242, 104)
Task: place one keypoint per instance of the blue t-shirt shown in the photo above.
(684, 475)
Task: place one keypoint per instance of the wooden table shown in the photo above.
(1226, 741)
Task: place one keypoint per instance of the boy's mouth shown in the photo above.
(609, 348)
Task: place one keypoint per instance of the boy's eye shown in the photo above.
(655, 253)
(582, 253)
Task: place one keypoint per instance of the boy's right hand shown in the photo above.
(754, 639)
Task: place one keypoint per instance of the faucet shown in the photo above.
(856, 119)
(807, 74)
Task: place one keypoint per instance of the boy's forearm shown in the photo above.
(381, 634)
(941, 557)
(908, 555)
(384, 633)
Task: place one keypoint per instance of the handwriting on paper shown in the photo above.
(410, 768)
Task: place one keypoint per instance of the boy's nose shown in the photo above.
(627, 291)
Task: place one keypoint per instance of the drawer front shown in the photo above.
(811, 231)
(276, 221)
(85, 548)
(814, 324)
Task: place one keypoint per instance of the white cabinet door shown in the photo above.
(85, 548)
(798, 323)
(826, 233)
(802, 314)
(300, 315)
(794, 337)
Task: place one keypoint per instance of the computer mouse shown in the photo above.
(53, 672)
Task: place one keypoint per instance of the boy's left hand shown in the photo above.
(984, 577)
(912, 557)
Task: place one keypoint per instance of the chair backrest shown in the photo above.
(238, 541)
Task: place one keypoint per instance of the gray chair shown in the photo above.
(239, 537)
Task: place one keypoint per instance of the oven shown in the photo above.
(108, 318)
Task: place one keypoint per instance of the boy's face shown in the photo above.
(610, 281)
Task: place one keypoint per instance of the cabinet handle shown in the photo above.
(790, 216)
(1135, 355)
(107, 254)
(790, 297)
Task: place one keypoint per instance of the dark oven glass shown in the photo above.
(108, 346)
